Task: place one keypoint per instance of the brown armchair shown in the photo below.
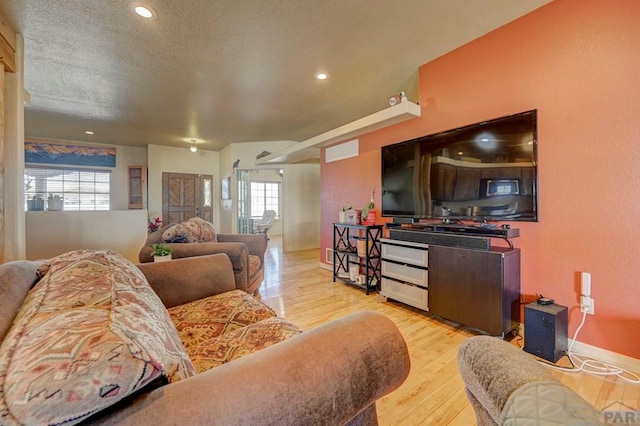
(246, 252)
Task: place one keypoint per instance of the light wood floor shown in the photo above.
(299, 290)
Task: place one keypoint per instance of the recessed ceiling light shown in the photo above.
(144, 10)
(88, 132)
(322, 76)
(193, 147)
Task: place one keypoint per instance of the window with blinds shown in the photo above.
(80, 189)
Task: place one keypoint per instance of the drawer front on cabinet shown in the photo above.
(405, 293)
(413, 256)
(405, 273)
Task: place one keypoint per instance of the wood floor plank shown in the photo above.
(611, 392)
(631, 396)
(299, 290)
(465, 417)
(590, 388)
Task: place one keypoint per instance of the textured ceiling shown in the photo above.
(225, 71)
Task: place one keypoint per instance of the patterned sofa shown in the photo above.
(197, 237)
(89, 337)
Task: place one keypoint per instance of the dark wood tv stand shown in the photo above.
(478, 287)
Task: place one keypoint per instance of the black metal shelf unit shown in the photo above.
(346, 254)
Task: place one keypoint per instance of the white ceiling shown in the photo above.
(225, 71)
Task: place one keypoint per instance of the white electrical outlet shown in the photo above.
(586, 301)
(587, 304)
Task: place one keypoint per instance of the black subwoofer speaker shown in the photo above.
(545, 331)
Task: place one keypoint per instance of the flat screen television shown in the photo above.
(484, 171)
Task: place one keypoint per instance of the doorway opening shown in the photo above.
(259, 197)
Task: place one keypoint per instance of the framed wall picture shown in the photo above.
(224, 191)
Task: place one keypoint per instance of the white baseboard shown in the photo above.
(599, 354)
(613, 358)
(326, 266)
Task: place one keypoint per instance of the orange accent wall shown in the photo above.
(577, 63)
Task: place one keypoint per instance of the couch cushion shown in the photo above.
(91, 332)
(193, 230)
(255, 264)
(201, 320)
(240, 342)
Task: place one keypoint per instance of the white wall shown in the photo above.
(300, 217)
(180, 160)
(122, 230)
(301, 201)
(52, 233)
(226, 207)
(125, 156)
(247, 152)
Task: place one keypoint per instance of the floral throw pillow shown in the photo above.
(90, 333)
(194, 230)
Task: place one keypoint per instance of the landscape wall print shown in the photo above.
(74, 155)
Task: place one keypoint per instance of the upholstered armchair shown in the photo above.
(246, 252)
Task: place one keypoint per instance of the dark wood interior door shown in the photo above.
(185, 196)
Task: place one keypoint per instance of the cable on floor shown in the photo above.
(581, 362)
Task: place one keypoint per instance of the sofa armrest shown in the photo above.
(257, 243)
(325, 376)
(16, 279)
(492, 370)
(237, 252)
(184, 280)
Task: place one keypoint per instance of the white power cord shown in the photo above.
(592, 366)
